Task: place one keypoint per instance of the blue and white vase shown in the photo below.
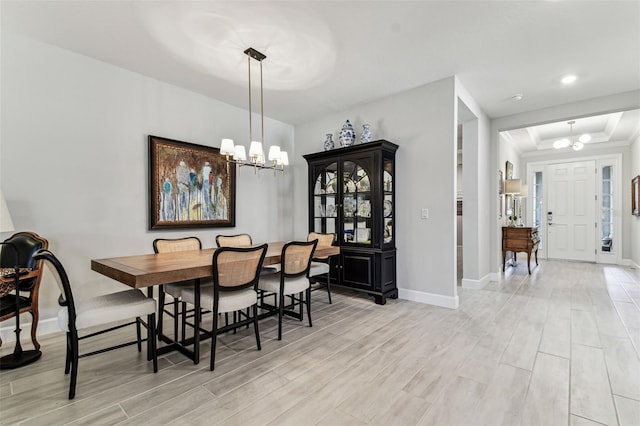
(365, 136)
(347, 135)
(328, 142)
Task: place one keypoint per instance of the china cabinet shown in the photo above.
(352, 195)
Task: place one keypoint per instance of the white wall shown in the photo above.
(478, 193)
(74, 159)
(634, 228)
(619, 102)
(422, 122)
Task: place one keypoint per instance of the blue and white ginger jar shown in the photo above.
(347, 135)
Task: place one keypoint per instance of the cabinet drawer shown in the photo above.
(517, 244)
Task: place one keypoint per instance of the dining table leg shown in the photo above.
(196, 323)
(149, 354)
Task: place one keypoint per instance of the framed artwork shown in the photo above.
(500, 182)
(509, 170)
(635, 196)
(500, 208)
(190, 186)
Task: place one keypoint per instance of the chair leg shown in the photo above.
(280, 314)
(301, 303)
(255, 326)
(151, 340)
(309, 304)
(176, 313)
(35, 316)
(184, 320)
(329, 285)
(67, 361)
(74, 364)
(214, 338)
(139, 334)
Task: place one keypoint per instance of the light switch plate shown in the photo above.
(425, 214)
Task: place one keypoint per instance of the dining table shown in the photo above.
(155, 269)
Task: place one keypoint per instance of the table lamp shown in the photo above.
(19, 357)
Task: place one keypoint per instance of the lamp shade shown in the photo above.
(524, 190)
(239, 153)
(6, 224)
(255, 149)
(512, 186)
(226, 147)
(274, 153)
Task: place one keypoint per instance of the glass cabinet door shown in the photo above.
(357, 203)
(325, 197)
(387, 200)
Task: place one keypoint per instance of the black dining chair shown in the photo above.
(97, 313)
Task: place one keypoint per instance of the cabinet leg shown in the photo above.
(380, 300)
(504, 260)
(529, 262)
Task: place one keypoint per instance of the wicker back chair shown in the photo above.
(292, 281)
(236, 271)
(320, 268)
(168, 245)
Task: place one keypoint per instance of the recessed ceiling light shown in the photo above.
(517, 97)
(568, 79)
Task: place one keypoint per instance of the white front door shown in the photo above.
(571, 218)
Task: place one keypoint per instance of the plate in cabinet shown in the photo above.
(388, 208)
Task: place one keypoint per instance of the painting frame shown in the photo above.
(508, 168)
(500, 182)
(635, 196)
(179, 194)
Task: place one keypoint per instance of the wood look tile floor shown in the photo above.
(559, 347)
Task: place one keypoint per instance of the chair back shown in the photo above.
(235, 268)
(324, 240)
(296, 257)
(168, 245)
(26, 244)
(66, 296)
(240, 240)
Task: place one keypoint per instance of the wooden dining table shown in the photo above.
(149, 270)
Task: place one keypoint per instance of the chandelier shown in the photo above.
(277, 159)
(576, 145)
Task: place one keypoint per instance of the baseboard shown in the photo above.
(8, 333)
(495, 276)
(630, 263)
(429, 298)
(477, 284)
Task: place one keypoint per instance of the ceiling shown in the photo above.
(324, 57)
(615, 129)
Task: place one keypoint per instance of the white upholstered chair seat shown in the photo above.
(318, 268)
(175, 289)
(108, 308)
(271, 283)
(228, 301)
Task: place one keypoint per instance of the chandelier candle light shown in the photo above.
(236, 153)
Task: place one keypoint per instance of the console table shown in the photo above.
(520, 239)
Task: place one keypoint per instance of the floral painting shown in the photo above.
(190, 186)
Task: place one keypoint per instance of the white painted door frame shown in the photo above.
(614, 160)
